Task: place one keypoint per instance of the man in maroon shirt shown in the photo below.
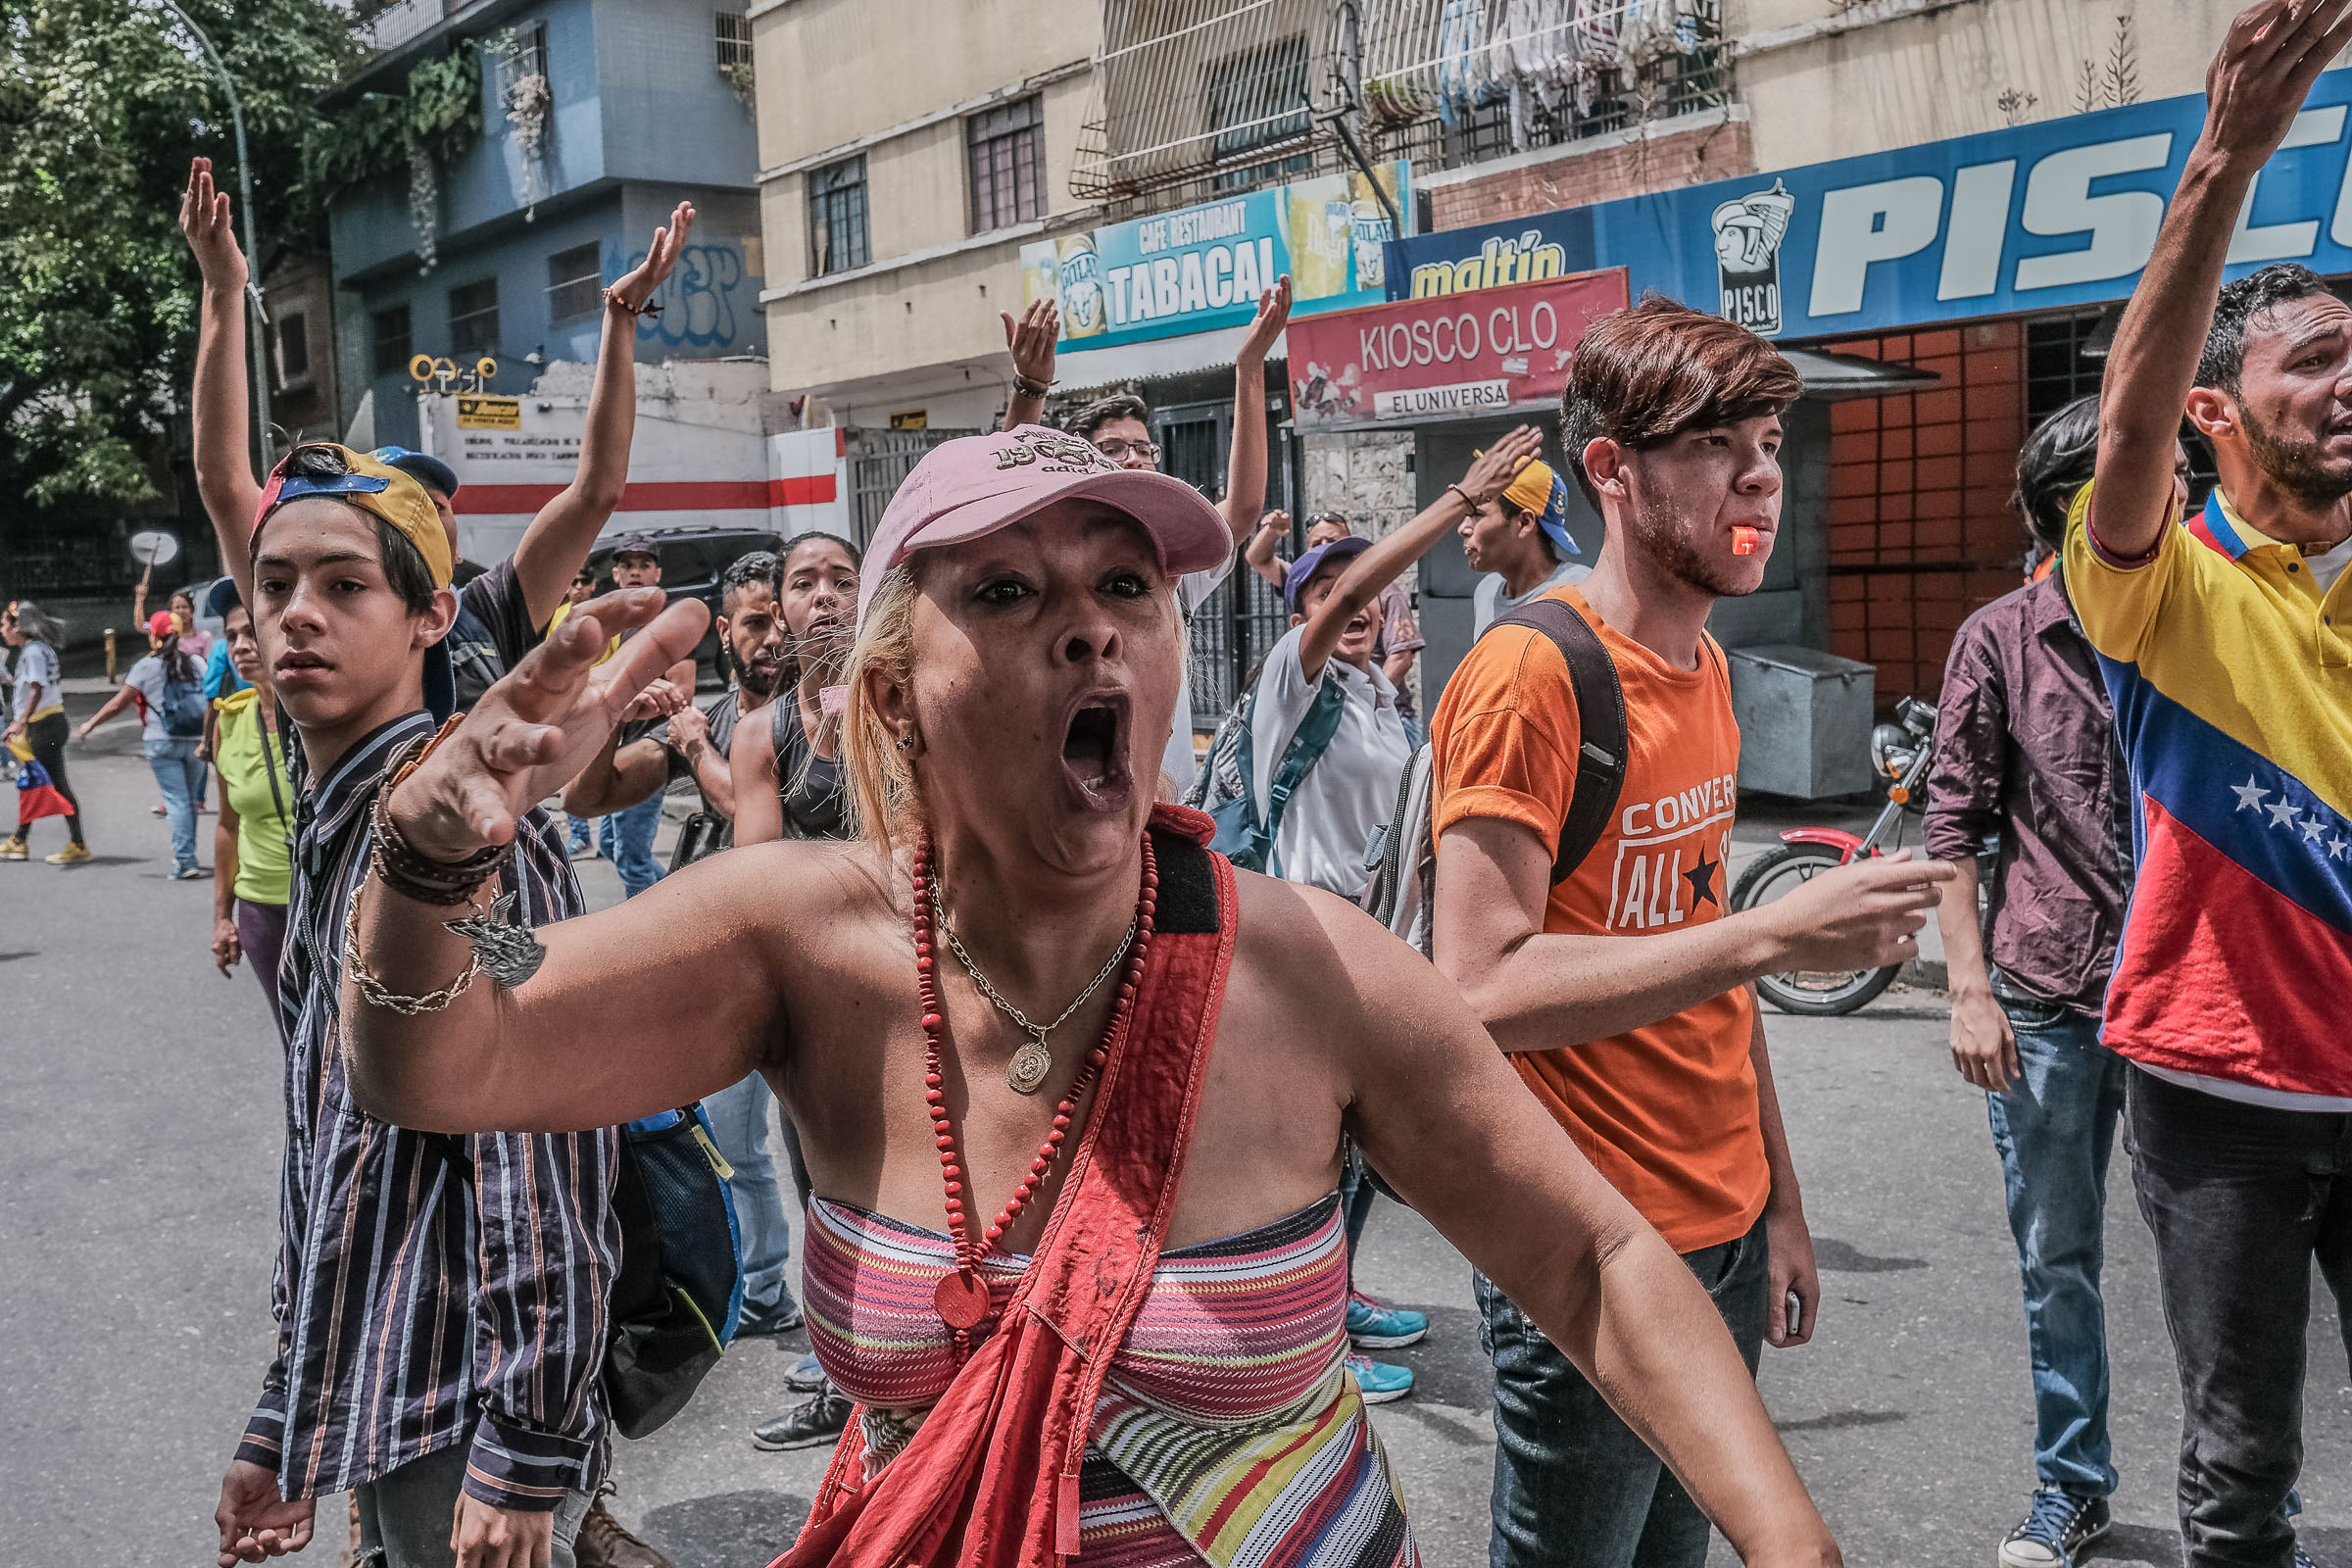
(2026, 752)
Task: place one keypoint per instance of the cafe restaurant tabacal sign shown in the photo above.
(2046, 217)
(1205, 266)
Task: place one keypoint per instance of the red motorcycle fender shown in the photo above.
(1834, 838)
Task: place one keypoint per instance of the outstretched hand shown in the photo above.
(204, 218)
(640, 282)
(1032, 340)
(544, 723)
(1493, 469)
(2272, 54)
(1273, 314)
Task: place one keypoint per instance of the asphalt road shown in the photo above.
(139, 1141)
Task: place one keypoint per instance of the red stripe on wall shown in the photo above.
(685, 495)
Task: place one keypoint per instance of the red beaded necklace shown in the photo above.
(962, 1296)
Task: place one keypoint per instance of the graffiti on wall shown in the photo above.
(699, 308)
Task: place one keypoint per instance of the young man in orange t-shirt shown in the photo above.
(1622, 992)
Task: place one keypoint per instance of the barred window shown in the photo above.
(734, 39)
(1008, 157)
(526, 59)
(837, 237)
(1258, 99)
(391, 340)
(575, 283)
(473, 317)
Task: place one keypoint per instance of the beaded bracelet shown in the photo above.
(1028, 388)
(406, 871)
(649, 308)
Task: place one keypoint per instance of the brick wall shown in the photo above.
(1920, 528)
(1583, 173)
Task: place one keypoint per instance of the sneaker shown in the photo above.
(1380, 1381)
(186, 873)
(2302, 1558)
(159, 810)
(2061, 1523)
(70, 855)
(806, 1376)
(14, 850)
(781, 1318)
(603, 1544)
(1382, 1328)
(815, 1420)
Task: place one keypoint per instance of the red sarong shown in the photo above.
(991, 1478)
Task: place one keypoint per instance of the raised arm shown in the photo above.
(1443, 1117)
(592, 1038)
(219, 403)
(1032, 341)
(1246, 464)
(1258, 554)
(1537, 990)
(1491, 473)
(557, 543)
(2256, 85)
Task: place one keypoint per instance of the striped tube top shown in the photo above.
(1228, 1430)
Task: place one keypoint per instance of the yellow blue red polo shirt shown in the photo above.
(2232, 678)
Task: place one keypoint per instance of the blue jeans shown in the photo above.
(739, 1126)
(1574, 1486)
(626, 838)
(179, 776)
(2054, 1128)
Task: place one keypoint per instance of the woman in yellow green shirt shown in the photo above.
(252, 861)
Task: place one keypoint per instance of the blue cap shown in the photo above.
(1303, 571)
(425, 469)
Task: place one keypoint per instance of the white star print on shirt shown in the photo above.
(2249, 794)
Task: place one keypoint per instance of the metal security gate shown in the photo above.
(879, 463)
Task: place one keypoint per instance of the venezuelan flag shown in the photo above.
(37, 797)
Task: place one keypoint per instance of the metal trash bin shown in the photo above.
(1804, 720)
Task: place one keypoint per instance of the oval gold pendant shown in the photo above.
(1026, 1071)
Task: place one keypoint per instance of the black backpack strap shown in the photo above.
(1600, 719)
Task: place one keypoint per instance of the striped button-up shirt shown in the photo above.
(432, 1289)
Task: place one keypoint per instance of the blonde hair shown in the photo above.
(881, 786)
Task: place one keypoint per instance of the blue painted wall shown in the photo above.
(640, 120)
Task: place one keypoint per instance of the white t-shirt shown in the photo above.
(1192, 592)
(1492, 600)
(2329, 565)
(146, 677)
(1351, 789)
(36, 665)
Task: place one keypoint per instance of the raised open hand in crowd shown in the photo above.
(1273, 314)
(1492, 470)
(637, 286)
(211, 230)
(1032, 340)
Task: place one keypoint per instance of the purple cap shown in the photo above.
(976, 484)
(1303, 571)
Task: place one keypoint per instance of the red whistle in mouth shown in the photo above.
(1745, 540)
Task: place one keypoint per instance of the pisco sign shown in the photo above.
(2048, 216)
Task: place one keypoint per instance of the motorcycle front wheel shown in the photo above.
(1813, 993)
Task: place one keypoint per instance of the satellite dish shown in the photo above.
(154, 547)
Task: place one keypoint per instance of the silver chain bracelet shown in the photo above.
(372, 991)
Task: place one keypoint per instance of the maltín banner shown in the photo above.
(2047, 216)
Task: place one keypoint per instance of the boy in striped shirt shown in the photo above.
(2225, 638)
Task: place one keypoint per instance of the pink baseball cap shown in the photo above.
(976, 484)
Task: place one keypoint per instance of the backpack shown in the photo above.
(182, 708)
(1226, 788)
(679, 1291)
(1402, 857)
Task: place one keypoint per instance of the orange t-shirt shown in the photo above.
(1668, 1111)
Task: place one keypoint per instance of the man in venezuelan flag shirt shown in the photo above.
(2225, 636)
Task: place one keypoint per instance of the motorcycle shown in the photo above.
(1901, 752)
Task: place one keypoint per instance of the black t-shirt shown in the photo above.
(811, 788)
(721, 716)
(491, 634)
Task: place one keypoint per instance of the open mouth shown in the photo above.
(1093, 752)
(295, 664)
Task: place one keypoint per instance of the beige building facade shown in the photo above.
(908, 149)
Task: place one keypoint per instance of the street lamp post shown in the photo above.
(253, 281)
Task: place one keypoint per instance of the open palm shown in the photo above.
(204, 218)
(641, 282)
(544, 723)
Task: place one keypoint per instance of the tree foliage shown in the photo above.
(368, 138)
(102, 103)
